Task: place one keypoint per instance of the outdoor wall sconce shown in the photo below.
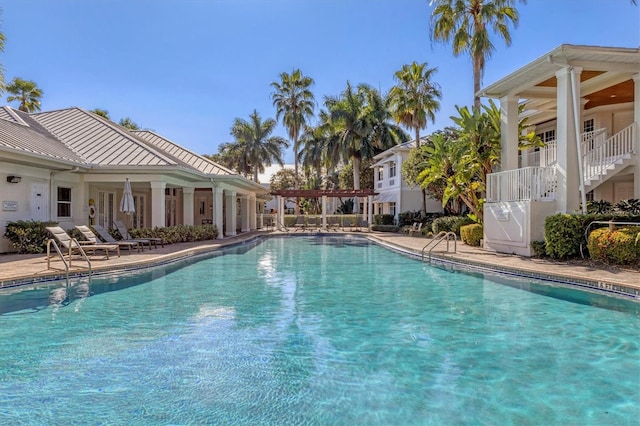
(13, 179)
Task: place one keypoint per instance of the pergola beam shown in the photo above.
(313, 193)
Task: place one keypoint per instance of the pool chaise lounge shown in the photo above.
(71, 246)
(126, 236)
(89, 235)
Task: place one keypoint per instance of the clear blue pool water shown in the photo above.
(317, 331)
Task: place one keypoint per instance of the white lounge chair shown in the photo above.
(416, 228)
(89, 235)
(71, 246)
(126, 236)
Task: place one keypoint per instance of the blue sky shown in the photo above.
(187, 68)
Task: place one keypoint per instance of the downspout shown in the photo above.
(576, 123)
(51, 174)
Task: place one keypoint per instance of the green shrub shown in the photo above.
(563, 236)
(471, 234)
(385, 228)
(450, 224)
(28, 236)
(178, 233)
(539, 249)
(619, 246)
(383, 219)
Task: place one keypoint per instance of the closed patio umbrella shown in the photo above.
(126, 204)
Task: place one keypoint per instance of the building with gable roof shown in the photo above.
(394, 194)
(584, 103)
(66, 164)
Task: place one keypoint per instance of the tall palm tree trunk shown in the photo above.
(297, 179)
(356, 172)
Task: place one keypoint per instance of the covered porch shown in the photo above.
(584, 103)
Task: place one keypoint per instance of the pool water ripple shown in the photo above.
(319, 331)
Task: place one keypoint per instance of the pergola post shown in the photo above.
(324, 212)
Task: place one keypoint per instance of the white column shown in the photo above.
(244, 213)
(218, 209)
(509, 133)
(370, 210)
(636, 135)
(324, 212)
(568, 192)
(187, 206)
(253, 212)
(157, 204)
(230, 210)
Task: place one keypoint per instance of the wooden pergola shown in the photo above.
(324, 194)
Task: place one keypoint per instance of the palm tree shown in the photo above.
(295, 102)
(255, 141)
(101, 112)
(2, 41)
(26, 92)
(414, 100)
(466, 23)
(128, 123)
(359, 122)
(313, 153)
(231, 156)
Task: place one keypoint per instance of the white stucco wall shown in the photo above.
(510, 227)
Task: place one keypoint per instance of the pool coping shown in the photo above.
(599, 286)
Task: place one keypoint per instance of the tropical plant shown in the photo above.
(414, 100)
(630, 206)
(313, 154)
(295, 103)
(467, 24)
(258, 147)
(230, 155)
(360, 126)
(101, 112)
(2, 41)
(128, 123)
(26, 92)
(284, 179)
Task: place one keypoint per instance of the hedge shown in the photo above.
(471, 234)
(619, 246)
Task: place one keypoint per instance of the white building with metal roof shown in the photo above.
(584, 102)
(54, 165)
(394, 194)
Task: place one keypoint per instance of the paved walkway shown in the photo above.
(15, 267)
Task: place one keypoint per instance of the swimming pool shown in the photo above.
(327, 330)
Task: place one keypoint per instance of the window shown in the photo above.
(380, 173)
(64, 202)
(392, 169)
(588, 126)
(392, 208)
(549, 135)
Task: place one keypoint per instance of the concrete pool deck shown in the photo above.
(16, 269)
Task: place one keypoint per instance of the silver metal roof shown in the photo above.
(182, 154)
(99, 141)
(20, 133)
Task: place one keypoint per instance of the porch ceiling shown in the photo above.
(606, 76)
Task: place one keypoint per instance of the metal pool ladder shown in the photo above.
(67, 265)
(442, 236)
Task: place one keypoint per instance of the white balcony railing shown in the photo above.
(601, 152)
(538, 181)
(525, 184)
